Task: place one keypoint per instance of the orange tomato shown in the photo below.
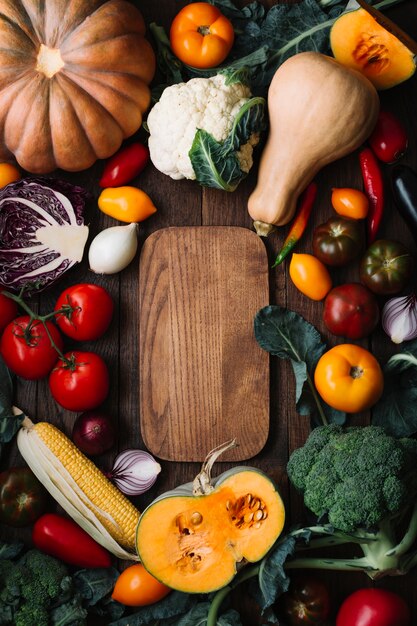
(8, 174)
(126, 204)
(201, 36)
(350, 203)
(349, 378)
(136, 587)
(310, 276)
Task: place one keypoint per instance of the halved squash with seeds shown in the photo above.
(359, 42)
(193, 537)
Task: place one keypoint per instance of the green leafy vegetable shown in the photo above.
(175, 605)
(272, 579)
(395, 411)
(287, 335)
(9, 422)
(216, 164)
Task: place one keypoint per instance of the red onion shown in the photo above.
(93, 433)
(134, 471)
(399, 318)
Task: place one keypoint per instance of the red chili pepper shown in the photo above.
(124, 165)
(299, 224)
(62, 538)
(374, 189)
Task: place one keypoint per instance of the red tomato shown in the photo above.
(62, 538)
(81, 382)
(88, 311)
(8, 311)
(389, 139)
(351, 310)
(26, 347)
(373, 607)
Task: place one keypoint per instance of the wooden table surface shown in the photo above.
(184, 203)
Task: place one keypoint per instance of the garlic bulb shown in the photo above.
(399, 318)
(113, 249)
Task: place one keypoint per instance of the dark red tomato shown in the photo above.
(389, 139)
(86, 311)
(351, 310)
(22, 497)
(373, 607)
(124, 165)
(386, 267)
(26, 347)
(62, 538)
(8, 311)
(307, 602)
(81, 382)
(338, 241)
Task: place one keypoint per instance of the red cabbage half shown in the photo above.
(42, 232)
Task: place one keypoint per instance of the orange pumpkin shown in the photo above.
(74, 78)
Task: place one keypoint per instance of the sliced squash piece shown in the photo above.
(359, 42)
(193, 538)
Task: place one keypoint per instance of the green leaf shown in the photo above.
(9, 423)
(287, 335)
(70, 613)
(395, 411)
(272, 580)
(10, 550)
(94, 584)
(198, 615)
(174, 605)
(215, 163)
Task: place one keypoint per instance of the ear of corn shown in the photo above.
(80, 487)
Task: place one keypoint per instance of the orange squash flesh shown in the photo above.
(194, 543)
(359, 42)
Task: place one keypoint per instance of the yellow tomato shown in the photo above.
(126, 204)
(8, 174)
(349, 378)
(136, 587)
(350, 203)
(310, 276)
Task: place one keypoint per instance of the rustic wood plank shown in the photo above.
(199, 291)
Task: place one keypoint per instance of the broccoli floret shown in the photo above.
(31, 615)
(356, 476)
(48, 576)
(365, 483)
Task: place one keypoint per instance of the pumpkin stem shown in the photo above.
(202, 482)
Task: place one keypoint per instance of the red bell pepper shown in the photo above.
(62, 538)
(374, 189)
(299, 223)
(124, 165)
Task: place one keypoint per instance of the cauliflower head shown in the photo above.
(206, 129)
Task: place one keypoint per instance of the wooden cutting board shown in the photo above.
(203, 377)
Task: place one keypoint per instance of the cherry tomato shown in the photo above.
(8, 311)
(386, 267)
(389, 139)
(136, 587)
(81, 382)
(22, 497)
(373, 607)
(9, 174)
(201, 36)
(126, 204)
(89, 311)
(350, 202)
(26, 347)
(351, 310)
(310, 276)
(306, 603)
(125, 165)
(62, 538)
(338, 241)
(349, 378)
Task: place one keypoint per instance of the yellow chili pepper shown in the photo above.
(8, 174)
(126, 204)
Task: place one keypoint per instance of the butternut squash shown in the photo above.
(319, 111)
(194, 537)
